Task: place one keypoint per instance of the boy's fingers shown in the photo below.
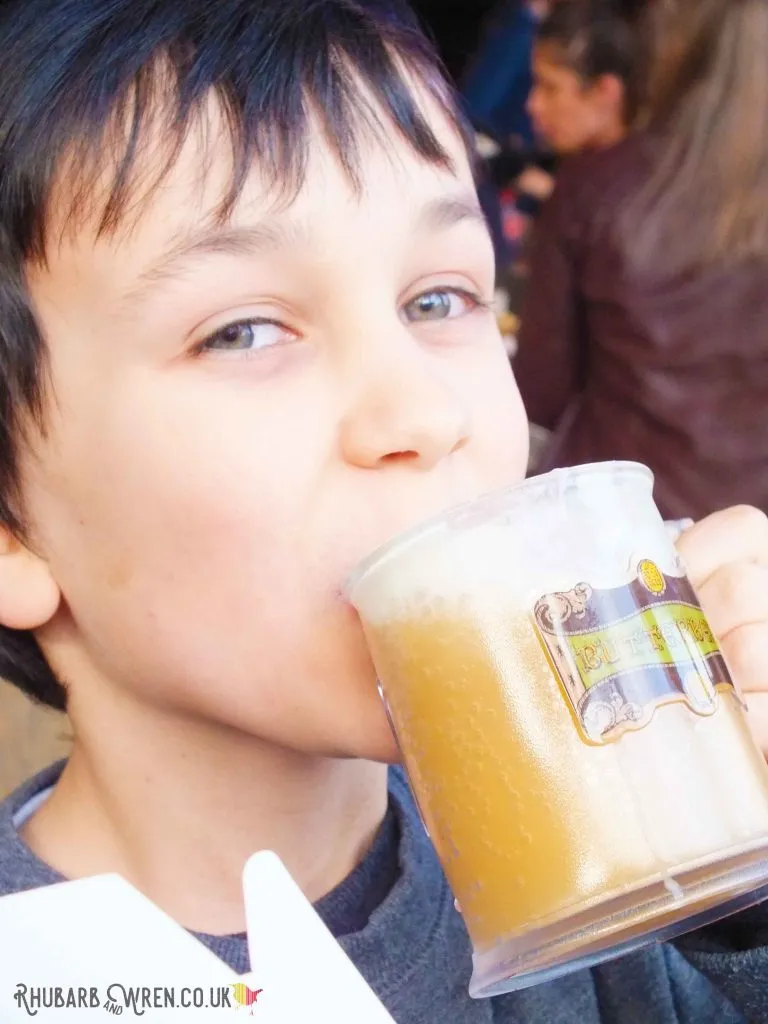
(735, 596)
(746, 653)
(735, 535)
(757, 717)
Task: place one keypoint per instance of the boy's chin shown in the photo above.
(373, 738)
(389, 756)
(377, 745)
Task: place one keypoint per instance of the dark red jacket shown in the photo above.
(669, 372)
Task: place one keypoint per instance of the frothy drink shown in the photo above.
(580, 756)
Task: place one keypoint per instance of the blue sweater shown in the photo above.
(395, 918)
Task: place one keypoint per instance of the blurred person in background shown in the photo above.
(494, 89)
(586, 85)
(645, 330)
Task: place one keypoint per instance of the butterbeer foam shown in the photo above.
(446, 563)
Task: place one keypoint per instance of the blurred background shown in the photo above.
(30, 738)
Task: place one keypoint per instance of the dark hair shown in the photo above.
(81, 82)
(601, 37)
(706, 198)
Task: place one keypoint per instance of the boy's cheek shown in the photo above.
(177, 498)
(501, 432)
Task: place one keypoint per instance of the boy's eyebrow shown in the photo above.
(448, 211)
(247, 240)
(438, 214)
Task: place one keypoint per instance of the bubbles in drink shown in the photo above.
(569, 727)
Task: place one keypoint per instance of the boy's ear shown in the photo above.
(29, 595)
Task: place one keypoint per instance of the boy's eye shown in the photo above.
(246, 336)
(441, 304)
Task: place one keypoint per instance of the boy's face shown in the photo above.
(204, 488)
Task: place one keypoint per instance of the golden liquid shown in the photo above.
(530, 822)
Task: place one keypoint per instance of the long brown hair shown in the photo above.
(706, 199)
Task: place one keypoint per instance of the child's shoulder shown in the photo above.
(20, 868)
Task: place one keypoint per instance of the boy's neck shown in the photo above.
(177, 808)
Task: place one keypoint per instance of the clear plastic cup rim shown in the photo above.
(445, 519)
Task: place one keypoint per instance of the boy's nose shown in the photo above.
(404, 413)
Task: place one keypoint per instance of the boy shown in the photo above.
(245, 339)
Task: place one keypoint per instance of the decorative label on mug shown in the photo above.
(622, 653)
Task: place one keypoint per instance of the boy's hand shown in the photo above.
(726, 556)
